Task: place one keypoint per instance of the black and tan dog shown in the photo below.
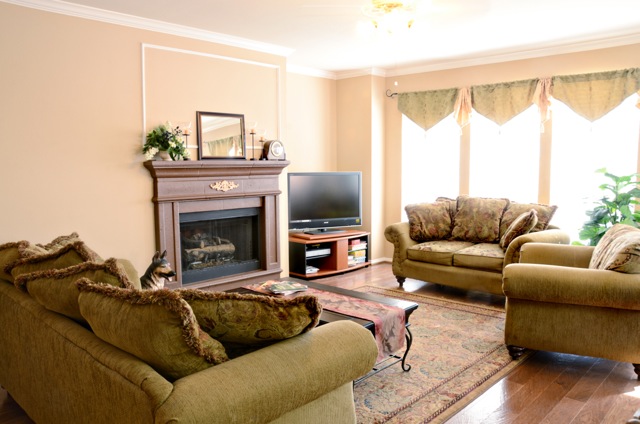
(159, 271)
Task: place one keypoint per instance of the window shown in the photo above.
(505, 159)
(579, 148)
(430, 161)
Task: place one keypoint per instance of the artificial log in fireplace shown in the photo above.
(218, 220)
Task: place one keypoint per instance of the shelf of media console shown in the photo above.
(316, 255)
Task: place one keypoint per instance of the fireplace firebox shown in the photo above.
(218, 220)
(219, 243)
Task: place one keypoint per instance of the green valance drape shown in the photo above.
(427, 108)
(501, 102)
(590, 95)
(594, 95)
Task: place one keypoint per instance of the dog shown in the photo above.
(158, 272)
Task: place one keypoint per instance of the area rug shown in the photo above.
(458, 352)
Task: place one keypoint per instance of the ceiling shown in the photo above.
(334, 37)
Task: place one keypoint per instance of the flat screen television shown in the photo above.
(324, 202)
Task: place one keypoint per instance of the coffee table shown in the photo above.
(329, 316)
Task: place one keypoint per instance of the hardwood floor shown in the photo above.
(548, 387)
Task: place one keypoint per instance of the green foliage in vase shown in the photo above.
(164, 138)
(617, 206)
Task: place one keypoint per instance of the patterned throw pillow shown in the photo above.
(15, 251)
(60, 242)
(253, 320)
(70, 254)
(521, 225)
(429, 221)
(545, 213)
(618, 250)
(157, 326)
(478, 219)
(55, 289)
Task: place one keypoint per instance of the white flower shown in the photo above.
(151, 153)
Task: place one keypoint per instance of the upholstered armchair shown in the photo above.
(580, 300)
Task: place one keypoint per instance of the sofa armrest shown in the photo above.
(566, 285)
(265, 384)
(556, 254)
(398, 235)
(512, 254)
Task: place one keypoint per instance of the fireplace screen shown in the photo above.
(219, 243)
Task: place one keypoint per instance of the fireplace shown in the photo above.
(218, 220)
(219, 243)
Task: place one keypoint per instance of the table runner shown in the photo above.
(389, 321)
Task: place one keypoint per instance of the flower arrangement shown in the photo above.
(165, 138)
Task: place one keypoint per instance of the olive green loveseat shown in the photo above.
(467, 242)
(60, 371)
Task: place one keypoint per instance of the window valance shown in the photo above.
(590, 95)
(427, 108)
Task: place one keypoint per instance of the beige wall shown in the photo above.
(74, 112)
(566, 64)
(76, 105)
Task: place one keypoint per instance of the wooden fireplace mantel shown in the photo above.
(198, 186)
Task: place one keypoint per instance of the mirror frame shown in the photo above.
(201, 116)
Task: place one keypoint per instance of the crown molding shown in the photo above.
(311, 72)
(86, 12)
(566, 48)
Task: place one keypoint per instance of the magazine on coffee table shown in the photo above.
(282, 287)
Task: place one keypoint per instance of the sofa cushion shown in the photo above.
(618, 250)
(521, 225)
(70, 254)
(544, 212)
(429, 221)
(14, 251)
(55, 289)
(436, 252)
(484, 256)
(451, 203)
(478, 219)
(60, 242)
(157, 326)
(253, 320)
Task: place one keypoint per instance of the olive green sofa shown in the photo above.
(581, 300)
(467, 242)
(60, 371)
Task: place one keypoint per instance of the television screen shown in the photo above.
(324, 200)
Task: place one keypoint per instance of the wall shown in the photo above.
(76, 105)
(565, 64)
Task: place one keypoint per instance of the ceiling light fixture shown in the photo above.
(391, 16)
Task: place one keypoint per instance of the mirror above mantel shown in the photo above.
(220, 135)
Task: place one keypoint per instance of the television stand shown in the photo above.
(321, 255)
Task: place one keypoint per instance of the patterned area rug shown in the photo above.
(458, 352)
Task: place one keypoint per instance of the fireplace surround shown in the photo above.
(218, 220)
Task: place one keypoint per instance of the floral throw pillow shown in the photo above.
(618, 250)
(545, 213)
(521, 225)
(478, 219)
(429, 221)
(252, 319)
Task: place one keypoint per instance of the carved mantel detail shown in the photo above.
(224, 185)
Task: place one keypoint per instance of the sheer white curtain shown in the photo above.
(579, 148)
(505, 159)
(430, 161)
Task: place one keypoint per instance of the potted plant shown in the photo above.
(616, 207)
(165, 138)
